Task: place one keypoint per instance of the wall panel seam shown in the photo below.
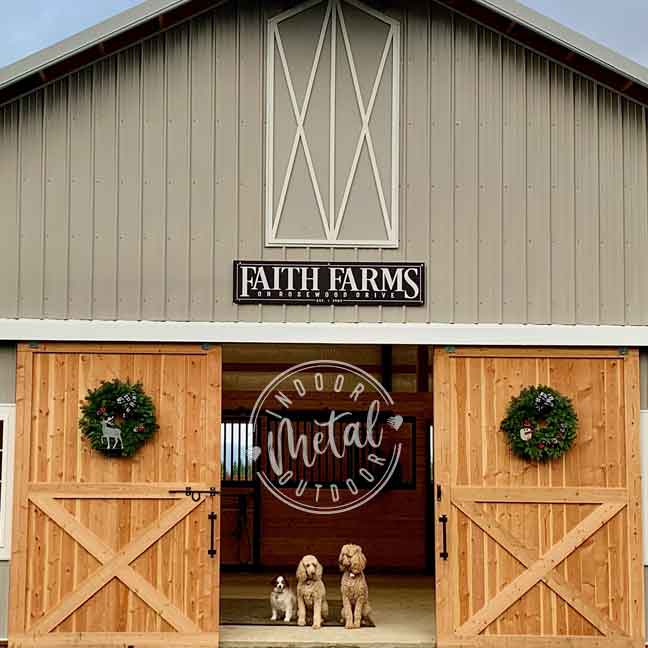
(237, 161)
(117, 178)
(165, 174)
(68, 193)
(190, 29)
(140, 193)
(93, 185)
(453, 162)
(19, 184)
(43, 215)
(525, 245)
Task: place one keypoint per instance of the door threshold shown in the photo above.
(321, 643)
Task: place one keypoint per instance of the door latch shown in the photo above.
(196, 494)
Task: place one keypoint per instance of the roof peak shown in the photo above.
(153, 16)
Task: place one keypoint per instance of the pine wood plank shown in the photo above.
(114, 490)
(633, 481)
(476, 474)
(69, 551)
(213, 372)
(550, 495)
(442, 478)
(460, 572)
(526, 641)
(118, 639)
(534, 352)
(117, 348)
(24, 376)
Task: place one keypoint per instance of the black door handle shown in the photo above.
(211, 552)
(444, 537)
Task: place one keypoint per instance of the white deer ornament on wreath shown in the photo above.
(111, 432)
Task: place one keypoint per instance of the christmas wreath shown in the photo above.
(118, 417)
(540, 424)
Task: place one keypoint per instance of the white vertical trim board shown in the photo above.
(8, 419)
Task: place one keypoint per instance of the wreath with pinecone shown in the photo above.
(540, 424)
(118, 417)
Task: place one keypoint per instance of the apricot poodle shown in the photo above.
(311, 592)
(355, 592)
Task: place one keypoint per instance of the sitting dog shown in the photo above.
(282, 600)
(311, 593)
(355, 592)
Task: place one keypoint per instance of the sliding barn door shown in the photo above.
(538, 555)
(103, 552)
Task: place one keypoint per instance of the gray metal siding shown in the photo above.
(7, 373)
(4, 599)
(7, 396)
(127, 189)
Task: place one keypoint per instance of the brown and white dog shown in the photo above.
(282, 600)
(311, 592)
(355, 592)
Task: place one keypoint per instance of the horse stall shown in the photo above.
(263, 536)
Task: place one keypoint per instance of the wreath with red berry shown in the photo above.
(118, 417)
(540, 424)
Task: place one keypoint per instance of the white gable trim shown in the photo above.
(323, 333)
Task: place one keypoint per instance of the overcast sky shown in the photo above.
(30, 25)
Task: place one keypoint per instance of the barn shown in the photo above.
(282, 276)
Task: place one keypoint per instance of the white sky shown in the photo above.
(30, 25)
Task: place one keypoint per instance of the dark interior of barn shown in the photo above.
(263, 536)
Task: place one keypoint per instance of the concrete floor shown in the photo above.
(403, 613)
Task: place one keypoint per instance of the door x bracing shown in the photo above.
(539, 567)
(114, 564)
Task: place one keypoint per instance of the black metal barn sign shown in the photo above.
(286, 282)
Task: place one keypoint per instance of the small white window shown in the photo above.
(7, 434)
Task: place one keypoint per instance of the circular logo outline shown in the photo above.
(391, 467)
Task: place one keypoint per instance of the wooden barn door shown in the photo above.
(538, 555)
(104, 553)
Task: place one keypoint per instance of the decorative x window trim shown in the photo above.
(332, 218)
(114, 564)
(300, 116)
(539, 568)
(365, 133)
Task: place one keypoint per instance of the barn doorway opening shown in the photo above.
(264, 535)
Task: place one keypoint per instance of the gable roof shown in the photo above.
(509, 17)
(569, 38)
(85, 39)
